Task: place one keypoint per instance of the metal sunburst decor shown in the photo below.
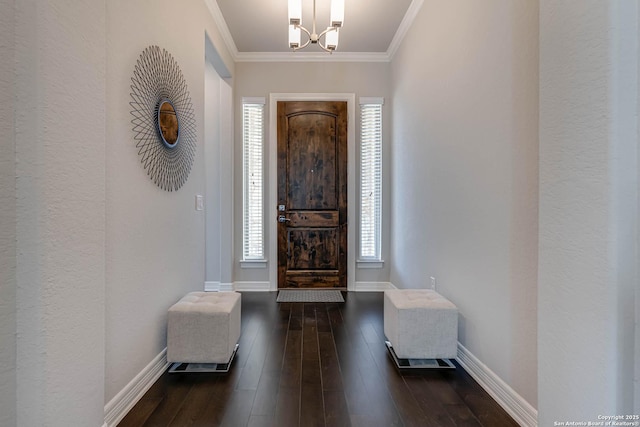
(163, 118)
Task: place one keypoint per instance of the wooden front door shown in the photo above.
(312, 194)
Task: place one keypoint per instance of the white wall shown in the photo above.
(60, 170)
(261, 79)
(464, 174)
(155, 239)
(588, 208)
(7, 220)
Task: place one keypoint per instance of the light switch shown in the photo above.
(199, 202)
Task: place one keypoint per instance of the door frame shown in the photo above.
(272, 199)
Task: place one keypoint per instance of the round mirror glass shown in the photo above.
(168, 123)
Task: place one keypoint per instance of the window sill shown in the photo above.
(253, 263)
(366, 263)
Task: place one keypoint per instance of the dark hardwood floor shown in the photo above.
(316, 365)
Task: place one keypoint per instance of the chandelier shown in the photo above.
(330, 34)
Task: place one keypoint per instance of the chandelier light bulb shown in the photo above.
(294, 37)
(331, 38)
(295, 12)
(337, 13)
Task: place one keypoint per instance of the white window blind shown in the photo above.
(253, 178)
(370, 178)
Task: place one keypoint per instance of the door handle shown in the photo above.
(282, 218)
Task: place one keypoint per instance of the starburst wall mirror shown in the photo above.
(163, 119)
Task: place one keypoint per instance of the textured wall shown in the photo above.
(636, 403)
(464, 174)
(7, 221)
(60, 151)
(261, 79)
(155, 239)
(588, 208)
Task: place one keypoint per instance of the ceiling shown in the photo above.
(258, 29)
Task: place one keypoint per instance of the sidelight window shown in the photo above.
(370, 178)
(253, 178)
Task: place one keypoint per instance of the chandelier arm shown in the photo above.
(324, 48)
(322, 34)
(308, 40)
(304, 29)
(326, 31)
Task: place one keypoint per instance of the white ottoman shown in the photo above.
(203, 327)
(420, 324)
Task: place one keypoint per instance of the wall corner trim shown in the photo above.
(521, 411)
(121, 404)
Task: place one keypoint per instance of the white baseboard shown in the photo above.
(252, 286)
(225, 287)
(237, 286)
(521, 411)
(217, 287)
(121, 404)
(372, 286)
(266, 286)
(211, 286)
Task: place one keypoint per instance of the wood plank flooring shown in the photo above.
(322, 364)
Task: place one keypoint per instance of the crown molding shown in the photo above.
(216, 13)
(312, 57)
(404, 26)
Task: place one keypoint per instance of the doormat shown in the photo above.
(309, 295)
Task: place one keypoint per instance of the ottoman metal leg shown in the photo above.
(220, 368)
(416, 365)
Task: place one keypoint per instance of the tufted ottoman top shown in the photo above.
(206, 302)
(418, 298)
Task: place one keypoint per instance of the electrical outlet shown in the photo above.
(433, 283)
(199, 202)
